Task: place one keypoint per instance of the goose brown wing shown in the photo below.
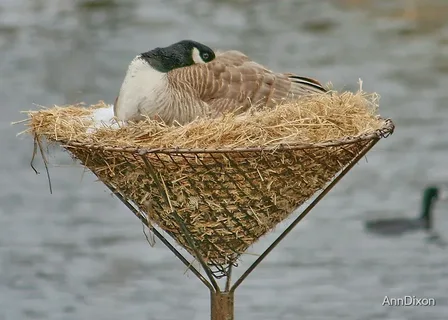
(303, 85)
(231, 58)
(299, 84)
(233, 82)
(227, 87)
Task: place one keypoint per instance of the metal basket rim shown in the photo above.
(386, 130)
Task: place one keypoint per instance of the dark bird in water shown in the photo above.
(399, 226)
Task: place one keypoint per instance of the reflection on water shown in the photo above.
(78, 254)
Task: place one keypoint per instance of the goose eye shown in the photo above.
(205, 56)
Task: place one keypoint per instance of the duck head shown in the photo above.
(430, 195)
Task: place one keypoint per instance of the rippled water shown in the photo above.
(79, 254)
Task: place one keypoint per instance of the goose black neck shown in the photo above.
(429, 197)
(164, 60)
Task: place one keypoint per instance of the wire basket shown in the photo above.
(226, 198)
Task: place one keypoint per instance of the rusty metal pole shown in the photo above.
(222, 305)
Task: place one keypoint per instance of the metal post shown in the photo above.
(222, 305)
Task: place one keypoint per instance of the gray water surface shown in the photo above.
(79, 253)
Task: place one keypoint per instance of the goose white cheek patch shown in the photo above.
(197, 56)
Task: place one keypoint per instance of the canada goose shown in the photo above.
(187, 80)
(399, 226)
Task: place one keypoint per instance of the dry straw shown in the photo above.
(231, 179)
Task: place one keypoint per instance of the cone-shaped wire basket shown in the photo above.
(215, 203)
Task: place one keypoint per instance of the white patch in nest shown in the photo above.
(104, 118)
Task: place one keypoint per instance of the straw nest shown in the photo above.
(232, 179)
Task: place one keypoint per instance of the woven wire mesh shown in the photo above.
(226, 199)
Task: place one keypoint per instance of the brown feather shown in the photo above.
(233, 83)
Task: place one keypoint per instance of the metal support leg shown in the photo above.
(222, 305)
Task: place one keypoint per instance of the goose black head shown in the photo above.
(178, 55)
